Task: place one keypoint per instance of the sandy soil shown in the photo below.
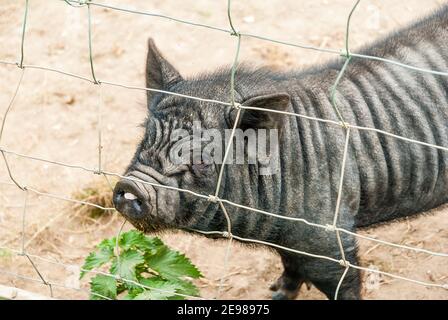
(54, 117)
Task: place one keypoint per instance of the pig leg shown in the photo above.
(350, 287)
(325, 276)
(287, 286)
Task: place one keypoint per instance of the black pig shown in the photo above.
(385, 178)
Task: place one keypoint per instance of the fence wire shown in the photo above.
(233, 31)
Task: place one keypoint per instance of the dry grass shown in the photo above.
(98, 192)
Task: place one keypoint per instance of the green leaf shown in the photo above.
(187, 287)
(145, 260)
(136, 240)
(171, 264)
(151, 245)
(132, 293)
(121, 288)
(97, 259)
(153, 242)
(152, 282)
(126, 265)
(108, 244)
(131, 239)
(103, 286)
(166, 290)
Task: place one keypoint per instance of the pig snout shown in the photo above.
(136, 198)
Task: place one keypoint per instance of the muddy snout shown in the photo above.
(138, 200)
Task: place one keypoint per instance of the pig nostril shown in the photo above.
(132, 200)
(130, 196)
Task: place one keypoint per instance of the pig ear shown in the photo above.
(160, 74)
(260, 119)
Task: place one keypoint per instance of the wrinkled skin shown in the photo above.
(384, 178)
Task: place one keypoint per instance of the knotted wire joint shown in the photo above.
(20, 65)
(344, 263)
(78, 3)
(84, 2)
(346, 54)
(344, 125)
(226, 234)
(213, 198)
(236, 106)
(23, 188)
(330, 227)
(235, 33)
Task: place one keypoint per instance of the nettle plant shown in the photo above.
(146, 269)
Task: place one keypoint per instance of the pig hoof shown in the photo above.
(279, 295)
(284, 295)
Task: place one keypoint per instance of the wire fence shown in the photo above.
(223, 203)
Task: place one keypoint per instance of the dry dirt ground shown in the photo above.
(54, 117)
